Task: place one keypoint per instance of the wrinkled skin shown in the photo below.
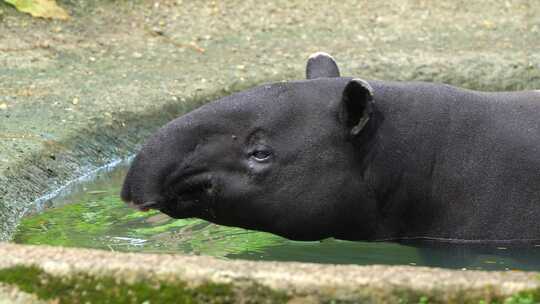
(340, 157)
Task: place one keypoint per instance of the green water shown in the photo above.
(92, 216)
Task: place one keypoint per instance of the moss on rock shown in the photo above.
(83, 288)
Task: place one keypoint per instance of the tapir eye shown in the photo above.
(261, 155)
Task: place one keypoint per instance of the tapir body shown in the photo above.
(339, 157)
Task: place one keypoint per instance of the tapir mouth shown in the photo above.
(183, 200)
(144, 206)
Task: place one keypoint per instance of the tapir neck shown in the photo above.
(403, 159)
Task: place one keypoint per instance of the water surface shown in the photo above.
(92, 216)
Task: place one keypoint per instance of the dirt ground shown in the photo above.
(76, 94)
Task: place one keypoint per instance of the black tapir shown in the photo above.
(332, 156)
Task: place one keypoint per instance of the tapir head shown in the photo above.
(284, 158)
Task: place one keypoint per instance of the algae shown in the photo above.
(102, 221)
(524, 297)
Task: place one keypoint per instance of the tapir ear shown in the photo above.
(321, 65)
(357, 105)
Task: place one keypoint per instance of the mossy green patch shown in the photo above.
(82, 288)
(462, 296)
(79, 224)
(100, 220)
(525, 297)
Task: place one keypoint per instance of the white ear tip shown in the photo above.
(364, 83)
(318, 54)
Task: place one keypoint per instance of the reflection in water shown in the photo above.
(524, 256)
(93, 216)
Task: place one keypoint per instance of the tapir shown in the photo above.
(353, 159)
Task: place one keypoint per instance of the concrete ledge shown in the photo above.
(280, 282)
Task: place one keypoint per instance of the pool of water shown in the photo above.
(92, 216)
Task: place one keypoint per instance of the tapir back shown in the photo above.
(470, 161)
